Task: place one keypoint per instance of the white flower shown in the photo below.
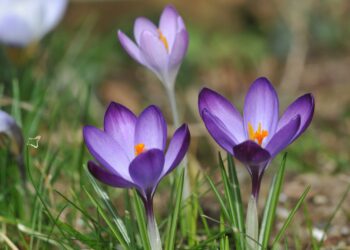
(25, 21)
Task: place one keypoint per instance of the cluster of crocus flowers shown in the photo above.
(260, 135)
(160, 49)
(26, 22)
(131, 153)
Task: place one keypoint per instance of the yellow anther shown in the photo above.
(259, 135)
(163, 39)
(139, 148)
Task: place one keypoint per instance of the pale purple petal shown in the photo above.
(10, 128)
(141, 24)
(284, 136)
(177, 149)
(146, 169)
(107, 151)
(303, 106)
(119, 123)
(131, 48)
(151, 129)
(107, 177)
(168, 24)
(52, 12)
(220, 107)
(218, 131)
(180, 24)
(15, 31)
(261, 106)
(179, 50)
(154, 53)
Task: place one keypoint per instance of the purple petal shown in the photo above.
(218, 131)
(180, 24)
(261, 106)
(107, 151)
(155, 53)
(146, 169)
(251, 154)
(15, 31)
(168, 24)
(119, 123)
(10, 128)
(177, 149)
(220, 107)
(111, 179)
(255, 159)
(303, 106)
(151, 129)
(284, 136)
(52, 12)
(141, 24)
(179, 49)
(131, 48)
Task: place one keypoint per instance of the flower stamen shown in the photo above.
(139, 148)
(163, 39)
(259, 135)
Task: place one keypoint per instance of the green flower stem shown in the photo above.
(175, 113)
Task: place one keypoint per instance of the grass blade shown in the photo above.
(141, 220)
(124, 237)
(221, 201)
(106, 218)
(230, 199)
(333, 214)
(271, 205)
(170, 239)
(290, 216)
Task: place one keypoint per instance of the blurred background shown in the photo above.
(70, 77)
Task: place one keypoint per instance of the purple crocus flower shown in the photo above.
(131, 152)
(24, 22)
(260, 135)
(162, 48)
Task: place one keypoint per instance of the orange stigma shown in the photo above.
(162, 38)
(139, 148)
(258, 135)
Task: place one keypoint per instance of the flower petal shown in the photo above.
(131, 48)
(107, 151)
(251, 154)
(151, 129)
(284, 136)
(111, 179)
(220, 107)
(261, 106)
(177, 149)
(179, 50)
(119, 123)
(154, 53)
(10, 128)
(303, 106)
(15, 31)
(146, 169)
(52, 12)
(141, 24)
(168, 24)
(218, 131)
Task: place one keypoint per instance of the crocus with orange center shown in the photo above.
(160, 49)
(131, 153)
(260, 135)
